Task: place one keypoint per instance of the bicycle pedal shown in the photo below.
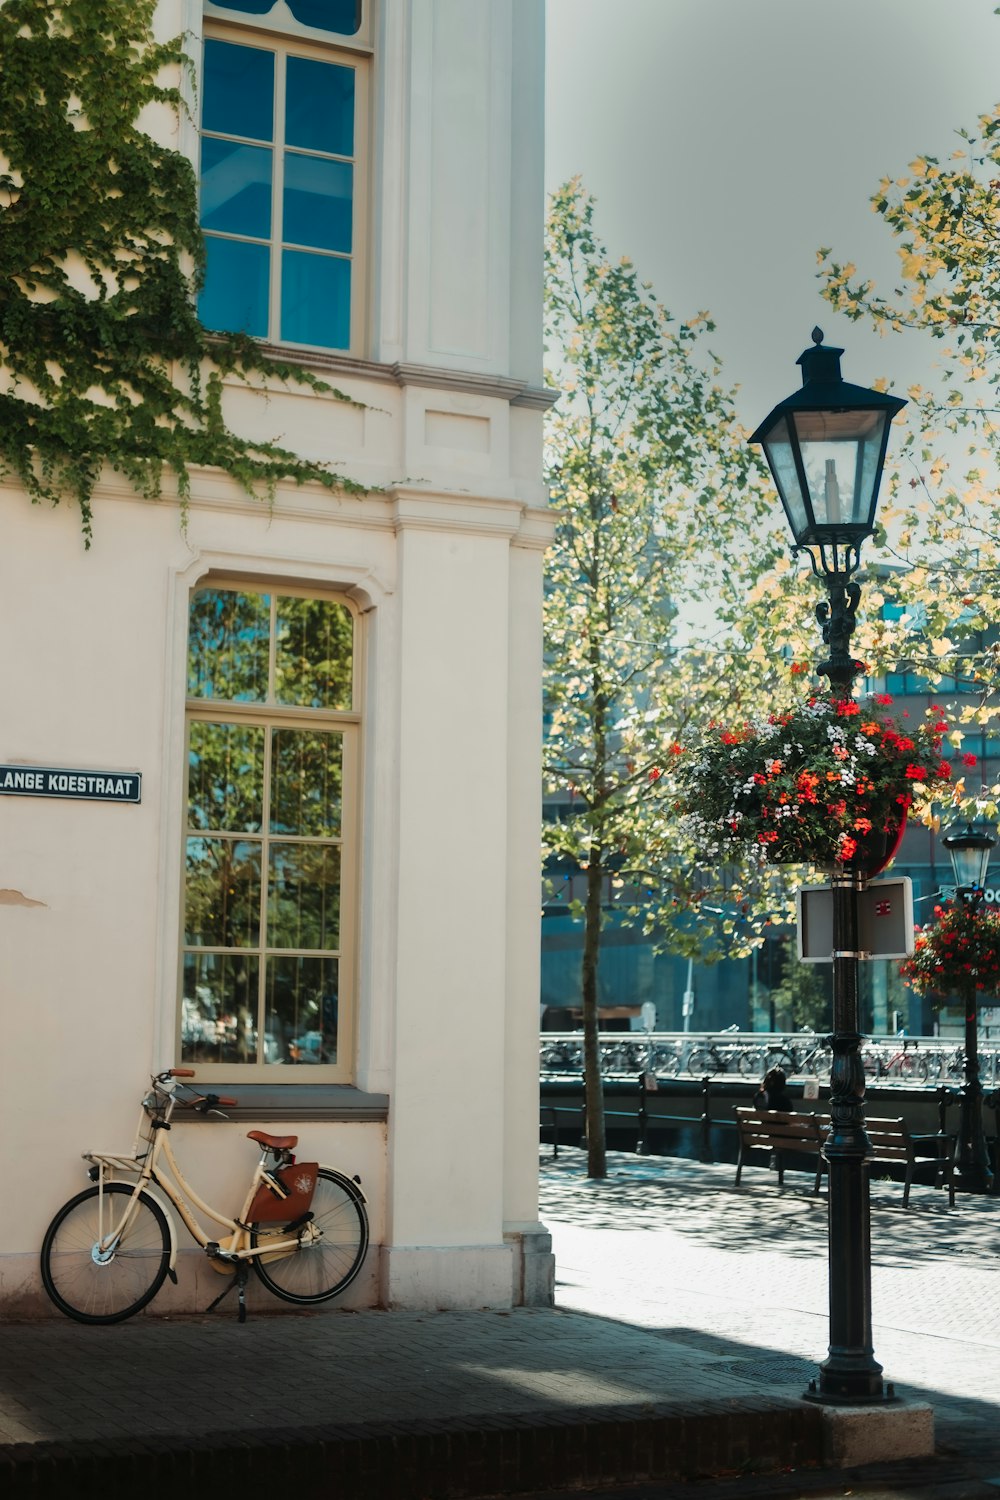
(214, 1251)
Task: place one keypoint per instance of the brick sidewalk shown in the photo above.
(675, 1352)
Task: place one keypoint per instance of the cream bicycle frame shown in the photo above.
(145, 1165)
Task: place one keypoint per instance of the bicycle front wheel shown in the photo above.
(330, 1250)
(104, 1258)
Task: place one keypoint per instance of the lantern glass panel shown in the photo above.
(840, 455)
(970, 864)
(781, 458)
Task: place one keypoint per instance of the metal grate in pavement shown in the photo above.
(772, 1367)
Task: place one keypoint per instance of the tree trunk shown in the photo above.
(593, 1091)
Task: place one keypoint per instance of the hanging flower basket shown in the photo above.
(958, 955)
(829, 783)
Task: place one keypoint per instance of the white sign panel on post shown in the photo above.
(885, 921)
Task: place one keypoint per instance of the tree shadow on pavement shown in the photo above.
(703, 1204)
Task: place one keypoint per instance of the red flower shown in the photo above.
(847, 707)
(655, 774)
(676, 749)
(969, 760)
(915, 773)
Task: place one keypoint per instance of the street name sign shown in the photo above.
(57, 781)
(885, 920)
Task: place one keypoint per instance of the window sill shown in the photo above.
(261, 1102)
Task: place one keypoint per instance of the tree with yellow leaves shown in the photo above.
(941, 537)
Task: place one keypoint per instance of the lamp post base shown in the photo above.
(850, 1377)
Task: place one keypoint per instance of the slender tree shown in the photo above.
(663, 537)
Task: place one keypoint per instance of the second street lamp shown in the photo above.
(970, 846)
(825, 446)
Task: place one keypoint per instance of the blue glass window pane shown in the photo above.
(234, 297)
(315, 300)
(319, 114)
(317, 206)
(238, 91)
(342, 16)
(235, 188)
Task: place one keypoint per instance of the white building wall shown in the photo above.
(444, 562)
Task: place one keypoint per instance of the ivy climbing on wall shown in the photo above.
(102, 357)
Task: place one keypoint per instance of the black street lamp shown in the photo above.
(825, 446)
(970, 846)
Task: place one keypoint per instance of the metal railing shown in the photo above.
(911, 1062)
(637, 1110)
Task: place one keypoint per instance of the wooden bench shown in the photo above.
(777, 1132)
(892, 1141)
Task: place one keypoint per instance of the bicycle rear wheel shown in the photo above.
(330, 1249)
(666, 1062)
(913, 1067)
(105, 1286)
(701, 1063)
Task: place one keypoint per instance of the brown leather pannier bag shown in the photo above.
(297, 1183)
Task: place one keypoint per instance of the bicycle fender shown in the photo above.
(354, 1181)
(162, 1202)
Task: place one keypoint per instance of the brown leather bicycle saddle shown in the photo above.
(276, 1142)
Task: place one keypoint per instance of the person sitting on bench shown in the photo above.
(773, 1092)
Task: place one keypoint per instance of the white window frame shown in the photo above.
(348, 723)
(299, 41)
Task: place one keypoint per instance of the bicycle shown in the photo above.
(906, 1064)
(707, 1058)
(812, 1056)
(561, 1057)
(303, 1227)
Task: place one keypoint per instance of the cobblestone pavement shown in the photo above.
(678, 1297)
(673, 1247)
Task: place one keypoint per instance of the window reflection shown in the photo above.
(228, 638)
(238, 91)
(222, 894)
(304, 896)
(314, 653)
(225, 776)
(319, 115)
(263, 886)
(302, 1009)
(315, 300)
(307, 783)
(219, 1008)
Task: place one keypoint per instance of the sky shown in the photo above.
(726, 140)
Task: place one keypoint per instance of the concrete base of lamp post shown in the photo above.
(854, 1435)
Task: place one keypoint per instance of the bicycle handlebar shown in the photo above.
(204, 1103)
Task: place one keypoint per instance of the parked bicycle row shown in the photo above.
(901, 1059)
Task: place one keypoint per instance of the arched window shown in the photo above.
(268, 909)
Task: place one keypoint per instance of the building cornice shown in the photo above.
(438, 377)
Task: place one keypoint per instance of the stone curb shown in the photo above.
(459, 1460)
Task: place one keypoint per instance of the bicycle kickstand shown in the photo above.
(239, 1281)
